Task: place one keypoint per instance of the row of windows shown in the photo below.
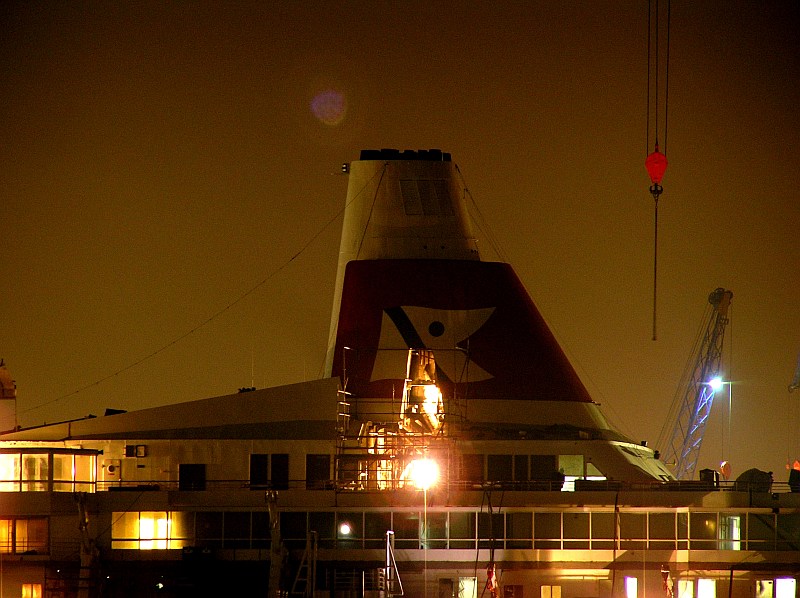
(76, 472)
(781, 587)
(273, 469)
(266, 471)
(42, 471)
(463, 530)
(523, 468)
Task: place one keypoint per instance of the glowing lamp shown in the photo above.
(656, 164)
(424, 473)
(431, 392)
(715, 383)
(345, 529)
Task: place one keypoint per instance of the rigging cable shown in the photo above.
(480, 220)
(211, 318)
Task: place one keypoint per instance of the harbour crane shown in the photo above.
(694, 404)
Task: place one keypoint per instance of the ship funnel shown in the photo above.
(410, 277)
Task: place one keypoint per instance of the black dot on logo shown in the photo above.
(436, 328)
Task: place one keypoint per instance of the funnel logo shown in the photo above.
(445, 331)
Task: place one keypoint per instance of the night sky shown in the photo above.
(171, 204)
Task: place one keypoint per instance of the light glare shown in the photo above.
(424, 473)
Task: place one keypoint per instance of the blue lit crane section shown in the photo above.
(683, 448)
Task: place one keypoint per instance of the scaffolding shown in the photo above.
(380, 438)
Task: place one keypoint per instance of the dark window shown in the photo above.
(499, 468)
(473, 468)
(209, 529)
(259, 471)
(347, 468)
(521, 468)
(446, 588)
(632, 530)
(192, 476)
(491, 531)
(576, 530)
(237, 530)
(519, 530)
(318, 471)
(293, 529)
(662, 530)
(543, 467)
(406, 530)
(261, 529)
(603, 527)
(324, 523)
(788, 530)
(280, 471)
(435, 530)
(703, 531)
(547, 530)
(760, 531)
(375, 527)
(462, 530)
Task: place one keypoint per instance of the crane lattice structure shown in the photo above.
(687, 435)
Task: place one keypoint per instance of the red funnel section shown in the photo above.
(489, 339)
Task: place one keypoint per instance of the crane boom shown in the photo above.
(684, 445)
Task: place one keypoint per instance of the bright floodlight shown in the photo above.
(424, 473)
(715, 383)
(345, 529)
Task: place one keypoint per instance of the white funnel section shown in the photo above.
(401, 205)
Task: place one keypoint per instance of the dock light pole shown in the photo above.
(424, 474)
(716, 384)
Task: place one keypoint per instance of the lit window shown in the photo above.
(730, 532)
(551, 592)
(31, 535)
(785, 587)
(25, 535)
(9, 472)
(706, 588)
(31, 590)
(35, 472)
(764, 588)
(47, 469)
(74, 473)
(631, 587)
(467, 587)
(149, 530)
(6, 535)
(685, 588)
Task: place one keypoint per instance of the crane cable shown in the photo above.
(656, 189)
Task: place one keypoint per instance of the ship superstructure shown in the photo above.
(450, 450)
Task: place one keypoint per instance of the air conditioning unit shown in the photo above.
(112, 470)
